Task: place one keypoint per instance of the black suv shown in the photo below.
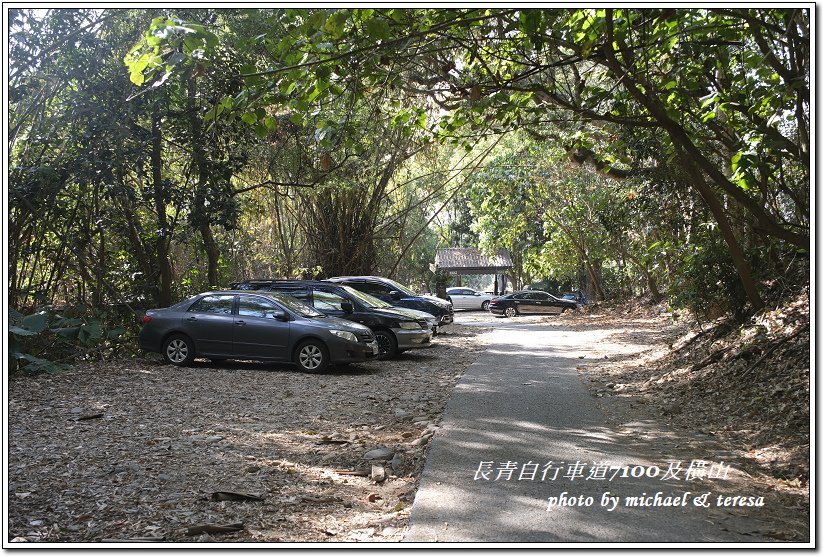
(396, 294)
(394, 330)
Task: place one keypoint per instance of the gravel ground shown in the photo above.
(135, 449)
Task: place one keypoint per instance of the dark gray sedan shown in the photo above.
(254, 326)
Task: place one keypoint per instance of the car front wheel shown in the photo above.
(510, 311)
(312, 356)
(178, 350)
(387, 345)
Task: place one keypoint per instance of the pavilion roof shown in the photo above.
(472, 261)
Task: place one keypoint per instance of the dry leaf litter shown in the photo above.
(236, 451)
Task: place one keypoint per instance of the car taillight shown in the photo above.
(146, 319)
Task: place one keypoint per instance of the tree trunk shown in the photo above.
(164, 292)
(212, 254)
(139, 249)
(717, 210)
(99, 261)
(696, 164)
(200, 213)
(652, 286)
(580, 247)
(593, 276)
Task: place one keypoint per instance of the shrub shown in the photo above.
(47, 339)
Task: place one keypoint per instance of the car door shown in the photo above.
(536, 302)
(554, 305)
(547, 303)
(209, 322)
(258, 332)
(330, 300)
(472, 299)
(459, 298)
(523, 302)
(331, 303)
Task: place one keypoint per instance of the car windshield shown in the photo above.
(296, 305)
(400, 288)
(366, 299)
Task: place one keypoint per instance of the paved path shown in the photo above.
(523, 405)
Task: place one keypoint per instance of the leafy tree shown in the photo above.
(727, 88)
(75, 155)
(669, 148)
(547, 210)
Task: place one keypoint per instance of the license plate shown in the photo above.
(374, 347)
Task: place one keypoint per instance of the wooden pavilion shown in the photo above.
(470, 261)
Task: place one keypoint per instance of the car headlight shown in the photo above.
(409, 325)
(345, 334)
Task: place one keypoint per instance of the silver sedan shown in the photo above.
(468, 298)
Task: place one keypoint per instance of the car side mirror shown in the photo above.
(347, 307)
(395, 295)
(281, 316)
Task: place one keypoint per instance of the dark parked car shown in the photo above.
(529, 301)
(394, 293)
(254, 326)
(394, 329)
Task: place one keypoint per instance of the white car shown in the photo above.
(467, 298)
